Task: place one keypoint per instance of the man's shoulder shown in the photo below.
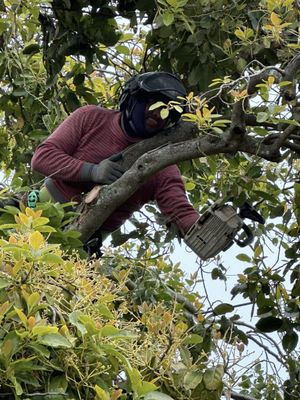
(96, 109)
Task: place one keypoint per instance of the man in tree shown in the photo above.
(84, 150)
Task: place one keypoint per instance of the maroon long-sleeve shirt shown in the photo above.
(92, 134)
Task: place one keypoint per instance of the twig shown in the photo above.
(271, 340)
(266, 348)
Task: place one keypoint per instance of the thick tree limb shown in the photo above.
(112, 196)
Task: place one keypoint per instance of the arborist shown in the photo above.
(84, 148)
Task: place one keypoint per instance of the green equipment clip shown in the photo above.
(32, 198)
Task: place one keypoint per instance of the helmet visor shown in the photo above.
(162, 83)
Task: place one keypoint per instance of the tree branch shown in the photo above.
(237, 396)
(290, 72)
(112, 196)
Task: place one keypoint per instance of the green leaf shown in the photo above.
(58, 384)
(72, 101)
(262, 117)
(40, 349)
(39, 221)
(32, 301)
(74, 319)
(31, 49)
(193, 338)
(190, 186)
(284, 83)
(156, 105)
(46, 229)
(19, 92)
(168, 18)
(101, 394)
(51, 258)
(243, 257)
(135, 378)
(157, 396)
(4, 283)
(21, 315)
(109, 330)
(164, 113)
(54, 340)
(78, 79)
(104, 311)
(223, 309)
(269, 324)
(145, 387)
(212, 377)
(123, 49)
(192, 379)
(44, 330)
(290, 341)
(185, 356)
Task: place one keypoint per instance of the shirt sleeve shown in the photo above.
(54, 156)
(172, 200)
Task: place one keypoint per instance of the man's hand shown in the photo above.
(105, 173)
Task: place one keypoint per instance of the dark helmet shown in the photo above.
(163, 84)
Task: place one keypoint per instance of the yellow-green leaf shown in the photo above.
(164, 113)
(51, 258)
(156, 105)
(101, 394)
(32, 301)
(21, 315)
(23, 219)
(275, 19)
(40, 221)
(190, 186)
(36, 240)
(145, 387)
(44, 330)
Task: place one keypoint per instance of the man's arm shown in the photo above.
(54, 157)
(172, 200)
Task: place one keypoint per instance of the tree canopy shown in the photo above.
(133, 325)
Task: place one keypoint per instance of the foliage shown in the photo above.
(69, 331)
(66, 327)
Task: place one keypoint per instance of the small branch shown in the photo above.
(284, 136)
(267, 350)
(292, 146)
(237, 396)
(280, 358)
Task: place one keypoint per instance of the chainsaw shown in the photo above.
(217, 228)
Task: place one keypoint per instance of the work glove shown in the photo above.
(105, 173)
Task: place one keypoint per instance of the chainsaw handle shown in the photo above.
(249, 238)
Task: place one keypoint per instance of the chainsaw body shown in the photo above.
(215, 231)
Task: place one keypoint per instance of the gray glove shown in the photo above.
(105, 173)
